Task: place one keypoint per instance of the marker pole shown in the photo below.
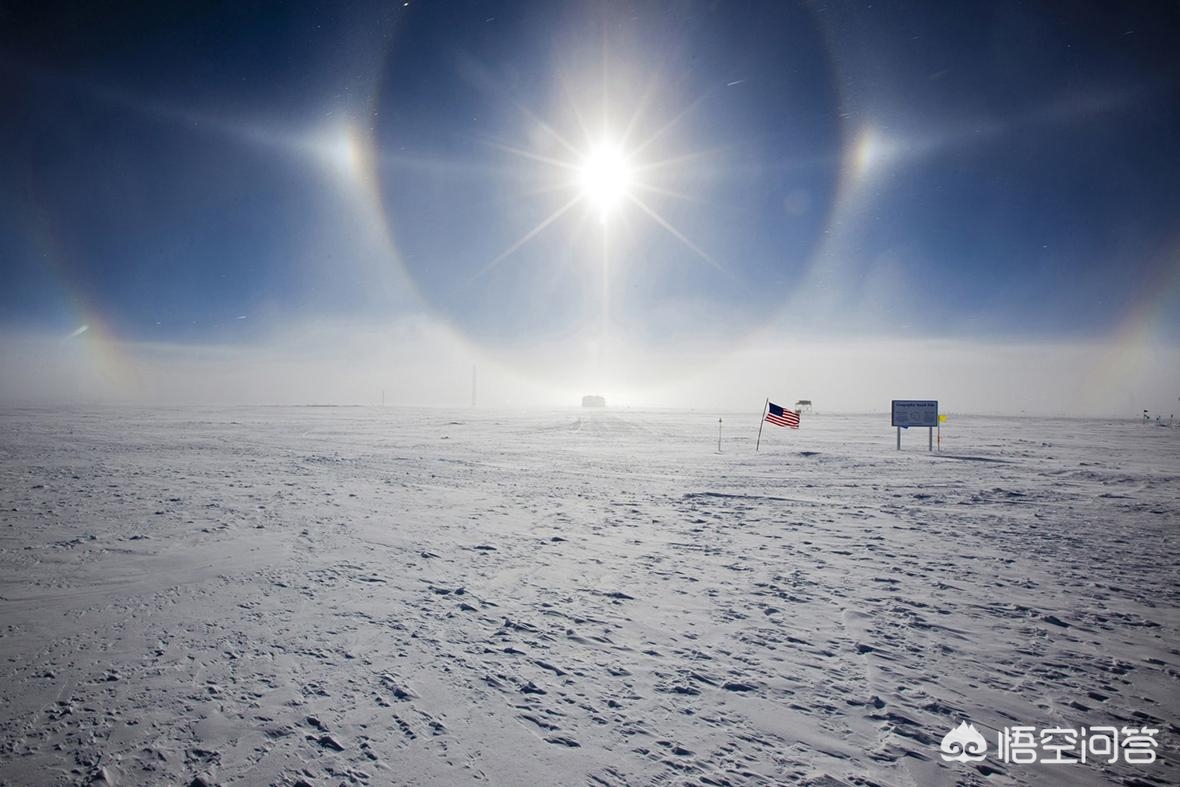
(761, 422)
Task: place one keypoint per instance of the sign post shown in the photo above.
(914, 412)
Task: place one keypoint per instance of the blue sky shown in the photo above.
(976, 171)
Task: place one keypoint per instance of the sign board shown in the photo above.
(915, 412)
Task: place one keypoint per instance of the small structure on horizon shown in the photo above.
(593, 400)
(803, 406)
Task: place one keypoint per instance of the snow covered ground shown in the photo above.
(375, 596)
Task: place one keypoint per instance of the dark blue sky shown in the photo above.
(170, 169)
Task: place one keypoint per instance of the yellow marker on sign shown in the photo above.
(941, 418)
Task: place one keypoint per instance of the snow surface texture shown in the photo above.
(373, 596)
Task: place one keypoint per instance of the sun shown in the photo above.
(606, 178)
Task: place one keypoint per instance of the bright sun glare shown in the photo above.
(605, 178)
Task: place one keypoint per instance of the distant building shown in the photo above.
(803, 406)
(593, 400)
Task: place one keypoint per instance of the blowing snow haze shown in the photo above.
(688, 204)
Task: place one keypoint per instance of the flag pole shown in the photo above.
(761, 421)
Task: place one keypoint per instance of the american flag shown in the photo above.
(781, 416)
